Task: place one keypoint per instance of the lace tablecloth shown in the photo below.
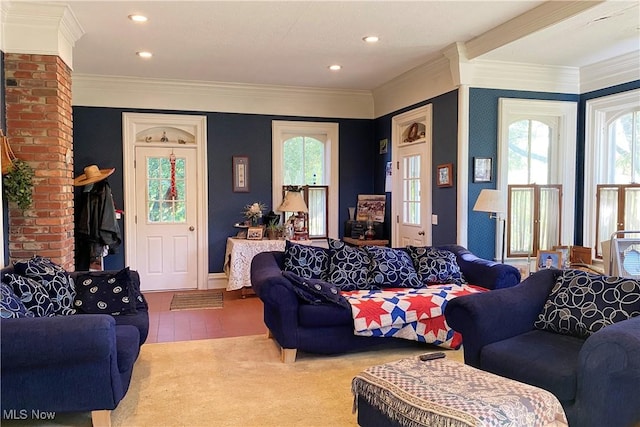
(442, 392)
(238, 256)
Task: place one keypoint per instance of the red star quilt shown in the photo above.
(413, 314)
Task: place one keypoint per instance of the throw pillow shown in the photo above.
(581, 303)
(436, 265)
(348, 266)
(391, 268)
(306, 261)
(105, 293)
(32, 294)
(53, 278)
(316, 291)
(11, 307)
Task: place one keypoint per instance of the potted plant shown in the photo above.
(273, 229)
(18, 184)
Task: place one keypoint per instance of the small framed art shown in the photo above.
(444, 177)
(255, 233)
(240, 174)
(549, 259)
(565, 251)
(482, 168)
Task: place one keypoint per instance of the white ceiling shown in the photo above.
(291, 43)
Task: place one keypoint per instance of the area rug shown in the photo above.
(194, 300)
(241, 382)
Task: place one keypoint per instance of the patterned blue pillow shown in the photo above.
(581, 303)
(306, 261)
(105, 293)
(348, 266)
(436, 265)
(391, 268)
(53, 278)
(11, 307)
(33, 295)
(316, 291)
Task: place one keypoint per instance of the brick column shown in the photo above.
(39, 128)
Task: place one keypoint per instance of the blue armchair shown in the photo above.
(595, 378)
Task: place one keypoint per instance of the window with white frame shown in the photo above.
(612, 167)
(536, 155)
(306, 154)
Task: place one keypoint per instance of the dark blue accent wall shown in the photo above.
(483, 142)
(444, 150)
(98, 140)
(3, 125)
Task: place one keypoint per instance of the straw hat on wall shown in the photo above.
(91, 175)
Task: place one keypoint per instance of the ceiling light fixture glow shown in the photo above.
(138, 18)
(335, 67)
(144, 54)
(370, 39)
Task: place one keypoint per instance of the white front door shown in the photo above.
(410, 198)
(166, 217)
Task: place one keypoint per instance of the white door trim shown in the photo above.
(132, 124)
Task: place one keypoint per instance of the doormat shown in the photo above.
(196, 300)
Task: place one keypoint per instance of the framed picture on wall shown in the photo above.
(444, 177)
(240, 167)
(482, 167)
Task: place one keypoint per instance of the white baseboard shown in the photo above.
(217, 281)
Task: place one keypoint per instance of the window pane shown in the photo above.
(521, 221)
(549, 226)
(529, 146)
(607, 215)
(632, 209)
(620, 133)
(161, 206)
(519, 153)
(411, 190)
(313, 161)
(317, 212)
(540, 144)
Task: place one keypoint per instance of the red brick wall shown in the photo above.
(39, 128)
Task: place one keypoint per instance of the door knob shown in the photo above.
(420, 233)
(192, 228)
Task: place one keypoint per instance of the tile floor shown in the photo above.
(238, 317)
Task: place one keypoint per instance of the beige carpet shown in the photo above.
(241, 382)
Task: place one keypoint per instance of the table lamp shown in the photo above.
(293, 202)
(492, 201)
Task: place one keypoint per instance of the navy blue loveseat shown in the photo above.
(329, 329)
(70, 363)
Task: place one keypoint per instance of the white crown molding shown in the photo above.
(130, 92)
(530, 77)
(615, 71)
(40, 28)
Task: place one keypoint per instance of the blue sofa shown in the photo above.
(73, 363)
(328, 329)
(596, 379)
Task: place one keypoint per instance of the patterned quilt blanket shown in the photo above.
(413, 314)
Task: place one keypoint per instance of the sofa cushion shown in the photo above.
(582, 303)
(549, 362)
(128, 347)
(348, 266)
(391, 268)
(33, 295)
(105, 294)
(316, 291)
(306, 261)
(55, 280)
(11, 307)
(436, 265)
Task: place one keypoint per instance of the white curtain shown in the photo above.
(608, 215)
(549, 218)
(521, 221)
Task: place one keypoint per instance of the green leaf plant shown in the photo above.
(18, 184)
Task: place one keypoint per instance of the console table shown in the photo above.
(238, 256)
(364, 242)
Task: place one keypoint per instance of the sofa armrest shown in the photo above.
(60, 340)
(482, 272)
(609, 365)
(489, 317)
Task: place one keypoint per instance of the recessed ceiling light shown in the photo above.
(138, 18)
(144, 54)
(335, 67)
(371, 39)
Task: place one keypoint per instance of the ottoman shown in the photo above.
(441, 392)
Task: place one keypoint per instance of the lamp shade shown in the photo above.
(490, 201)
(293, 202)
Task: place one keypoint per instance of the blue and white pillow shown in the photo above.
(33, 295)
(306, 261)
(316, 291)
(391, 268)
(348, 266)
(11, 307)
(53, 278)
(105, 293)
(582, 303)
(436, 265)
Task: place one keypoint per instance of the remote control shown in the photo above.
(431, 356)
